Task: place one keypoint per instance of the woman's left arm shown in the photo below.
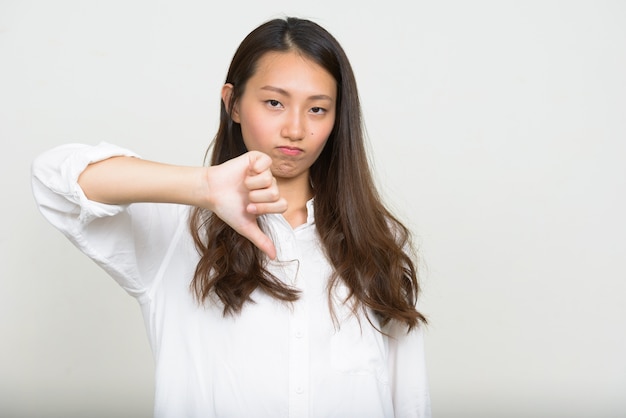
(407, 368)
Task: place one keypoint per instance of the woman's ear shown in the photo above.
(227, 94)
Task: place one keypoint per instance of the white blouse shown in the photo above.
(274, 359)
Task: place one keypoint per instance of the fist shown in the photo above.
(241, 189)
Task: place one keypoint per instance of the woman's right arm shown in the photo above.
(106, 178)
(123, 180)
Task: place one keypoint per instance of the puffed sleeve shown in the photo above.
(127, 241)
(407, 366)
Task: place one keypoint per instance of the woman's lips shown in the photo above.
(290, 151)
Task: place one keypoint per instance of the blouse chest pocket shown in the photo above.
(357, 348)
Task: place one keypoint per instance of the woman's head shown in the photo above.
(314, 43)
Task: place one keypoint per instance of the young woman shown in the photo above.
(273, 282)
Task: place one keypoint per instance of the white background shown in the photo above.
(498, 133)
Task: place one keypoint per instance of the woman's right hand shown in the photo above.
(241, 189)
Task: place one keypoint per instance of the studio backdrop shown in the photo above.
(497, 131)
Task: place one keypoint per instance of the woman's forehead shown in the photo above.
(292, 71)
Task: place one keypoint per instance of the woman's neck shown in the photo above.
(297, 192)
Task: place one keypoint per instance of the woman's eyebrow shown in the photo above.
(286, 93)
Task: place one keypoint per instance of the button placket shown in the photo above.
(299, 360)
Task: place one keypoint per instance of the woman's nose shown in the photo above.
(294, 127)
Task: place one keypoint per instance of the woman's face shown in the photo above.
(287, 111)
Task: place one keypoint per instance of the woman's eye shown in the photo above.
(317, 110)
(273, 103)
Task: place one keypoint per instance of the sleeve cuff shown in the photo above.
(71, 169)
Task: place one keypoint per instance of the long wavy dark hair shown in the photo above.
(364, 243)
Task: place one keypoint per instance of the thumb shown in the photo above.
(260, 240)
